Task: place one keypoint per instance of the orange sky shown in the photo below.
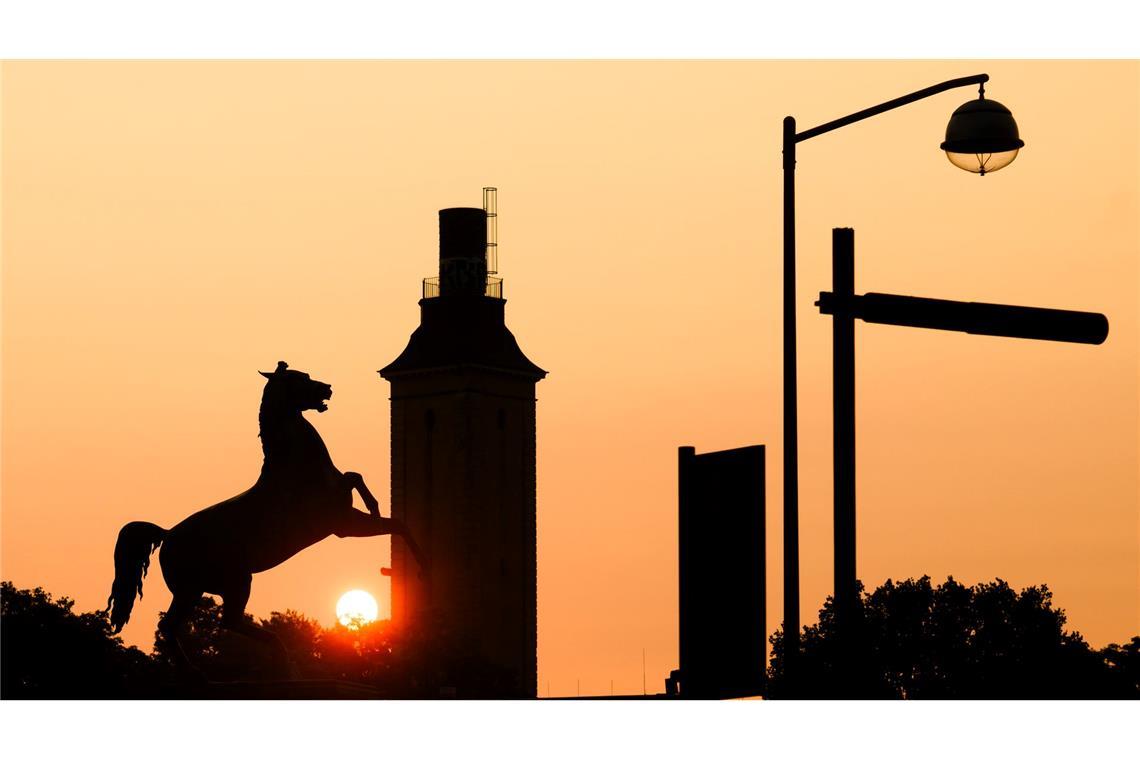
(171, 228)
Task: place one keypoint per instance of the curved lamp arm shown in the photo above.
(867, 113)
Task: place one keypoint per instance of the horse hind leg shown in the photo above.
(234, 600)
(170, 630)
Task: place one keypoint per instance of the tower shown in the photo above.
(463, 464)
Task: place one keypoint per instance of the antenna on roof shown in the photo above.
(491, 206)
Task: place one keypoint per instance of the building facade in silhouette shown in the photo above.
(463, 464)
(721, 573)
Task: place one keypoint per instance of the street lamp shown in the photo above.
(981, 137)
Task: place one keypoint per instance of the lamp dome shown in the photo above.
(982, 137)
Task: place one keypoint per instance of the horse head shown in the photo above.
(290, 391)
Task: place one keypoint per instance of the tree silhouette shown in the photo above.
(1123, 662)
(49, 652)
(913, 640)
(424, 661)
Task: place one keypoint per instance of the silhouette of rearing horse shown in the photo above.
(299, 499)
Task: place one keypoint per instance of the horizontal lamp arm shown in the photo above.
(892, 104)
(971, 317)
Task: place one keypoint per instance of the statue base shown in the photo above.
(299, 689)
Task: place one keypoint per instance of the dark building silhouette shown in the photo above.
(463, 464)
(721, 570)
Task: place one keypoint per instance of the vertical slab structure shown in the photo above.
(721, 568)
(463, 470)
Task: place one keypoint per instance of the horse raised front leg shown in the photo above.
(357, 525)
(413, 547)
(356, 480)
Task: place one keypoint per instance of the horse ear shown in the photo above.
(281, 367)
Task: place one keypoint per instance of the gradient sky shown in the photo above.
(170, 228)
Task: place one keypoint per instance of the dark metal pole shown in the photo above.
(843, 420)
(791, 432)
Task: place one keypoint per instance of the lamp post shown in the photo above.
(981, 137)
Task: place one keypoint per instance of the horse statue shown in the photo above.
(299, 499)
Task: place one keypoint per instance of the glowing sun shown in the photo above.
(356, 608)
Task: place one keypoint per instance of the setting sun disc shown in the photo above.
(356, 608)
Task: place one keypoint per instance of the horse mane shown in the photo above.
(270, 416)
(267, 412)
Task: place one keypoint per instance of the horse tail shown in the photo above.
(137, 540)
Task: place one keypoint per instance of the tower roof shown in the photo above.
(462, 331)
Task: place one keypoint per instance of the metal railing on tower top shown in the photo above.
(493, 289)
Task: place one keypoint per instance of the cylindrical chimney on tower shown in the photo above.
(462, 251)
